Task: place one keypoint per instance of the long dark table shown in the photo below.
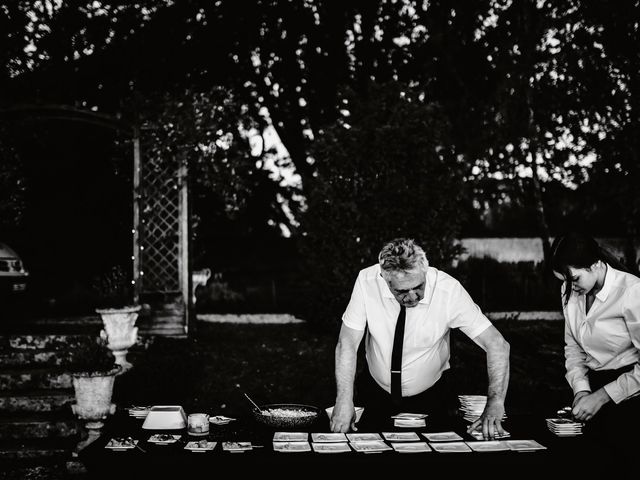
(564, 455)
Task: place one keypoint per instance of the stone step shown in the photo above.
(39, 425)
(57, 471)
(44, 400)
(50, 358)
(23, 343)
(42, 341)
(37, 449)
(29, 377)
(164, 331)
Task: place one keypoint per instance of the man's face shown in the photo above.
(407, 287)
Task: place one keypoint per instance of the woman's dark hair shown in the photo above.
(578, 250)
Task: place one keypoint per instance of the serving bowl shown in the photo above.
(286, 416)
(359, 411)
(165, 417)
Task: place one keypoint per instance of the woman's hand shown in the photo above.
(586, 405)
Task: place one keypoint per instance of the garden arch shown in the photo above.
(160, 258)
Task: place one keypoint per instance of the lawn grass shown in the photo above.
(293, 363)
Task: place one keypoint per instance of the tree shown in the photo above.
(385, 170)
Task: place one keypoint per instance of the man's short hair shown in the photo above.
(402, 255)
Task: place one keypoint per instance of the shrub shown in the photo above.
(113, 289)
(92, 358)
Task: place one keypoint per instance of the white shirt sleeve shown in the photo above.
(628, 383)
(355, 316)
(465, 314)
(575, 358)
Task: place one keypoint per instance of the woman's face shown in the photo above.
(582, 279)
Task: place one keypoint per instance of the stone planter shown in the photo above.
(120, 331)
(93, 391)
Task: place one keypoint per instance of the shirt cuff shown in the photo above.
(581, 386)
(616, 394)
(478, 329)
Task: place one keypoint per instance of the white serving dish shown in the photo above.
(359, 411)
(165, 417)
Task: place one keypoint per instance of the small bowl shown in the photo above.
(359, 411)
(286, 416)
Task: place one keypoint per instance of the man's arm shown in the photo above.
(346, 358)
(497, 349)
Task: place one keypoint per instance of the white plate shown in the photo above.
(411, 447)
(442, 436)
(290, 437)
(328, 437)
(163, 439)
(196, 446)
(451, 447)
(118, 445)
(400, 436)
(291, 447)
(489, 446)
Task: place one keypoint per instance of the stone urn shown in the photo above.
(93, 392)
(120, 331)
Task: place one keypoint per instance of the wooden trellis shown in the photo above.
(161, 269)
(161, 254)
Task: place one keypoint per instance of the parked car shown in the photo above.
(13, 275)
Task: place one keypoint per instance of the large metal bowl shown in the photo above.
(286, 416)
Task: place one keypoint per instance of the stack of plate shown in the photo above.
(138, 412)
(472, 406)
(564, 427)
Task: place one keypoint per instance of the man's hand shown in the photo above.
(490, 422)
(497, 349)
(343, 418)
(586, 405)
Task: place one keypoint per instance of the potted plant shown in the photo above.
(118, 312)
(93, 371)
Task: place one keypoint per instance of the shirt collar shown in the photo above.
(386, 292)
(609, 279)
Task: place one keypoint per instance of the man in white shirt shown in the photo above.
(430, 303)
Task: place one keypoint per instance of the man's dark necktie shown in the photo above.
(396, 357)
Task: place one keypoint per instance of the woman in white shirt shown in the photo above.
(601, 306)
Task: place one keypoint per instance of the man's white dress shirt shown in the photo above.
(425, 355)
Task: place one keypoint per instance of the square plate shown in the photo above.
(451, 447)
(411, 447)
(328, 437)
(442, 436)
(363, 437)
(400, 436)
(164, 438)
(290, 437)
(370, 446)
(236, 446)
(524, 445)
(337, 447)
(291, 447)
(200, 446)
(121, 444)
(489, 446)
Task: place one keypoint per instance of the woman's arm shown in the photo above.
(628, 383)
